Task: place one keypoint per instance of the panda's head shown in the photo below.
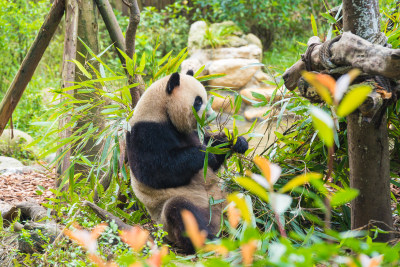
(171, 99)
(183, 93)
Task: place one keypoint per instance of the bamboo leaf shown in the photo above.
(253, 187)
(344, 196)
(241, 205)
(314, 25)
(199, 71)
(321, 85)
(300, 180)
(353, 99)
(323, 123)
(210, 77)
(82, 69)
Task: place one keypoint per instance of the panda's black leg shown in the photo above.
(176, 227)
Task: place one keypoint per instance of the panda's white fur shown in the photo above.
(166, 157)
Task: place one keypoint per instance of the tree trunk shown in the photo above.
(68, 74)
(368, 141)
(88, 33)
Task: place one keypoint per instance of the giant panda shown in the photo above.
(166, 157)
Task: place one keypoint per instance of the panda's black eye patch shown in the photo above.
(197, 103)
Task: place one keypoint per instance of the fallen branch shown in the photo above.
(8, 213)
(350, 51)
(107, 216)
(32, 211)
(30, 62)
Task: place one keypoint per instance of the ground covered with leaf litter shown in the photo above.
(30, 186)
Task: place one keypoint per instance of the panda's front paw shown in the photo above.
(241, 145)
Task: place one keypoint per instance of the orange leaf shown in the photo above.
(263, 164)
(100, 262)
(326, 81)
(135, 237)
(219, 249)
(192, 229)
(248, 252)
(96, 232)
(156, 258)
(233, 216)
(84, 238)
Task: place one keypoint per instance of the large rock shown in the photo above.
(252, 39)
(261, 76)
(246, 52)
(196, 35)
(236, 75)
(224, 104)
(9, 163)
(251, 113)
(227, 27)
(234, 41)
(19, 137)
(198, 59)
(266, 92)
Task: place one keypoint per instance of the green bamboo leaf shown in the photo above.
(210, 77)
(323, 123)
(330, 19)
(314, 25)
(241, 205)
(300, 180)
(199, 71)
(161, 61)
(253, 187)
(142, 62)
(353, 99)
(82, 69)
(344, 196)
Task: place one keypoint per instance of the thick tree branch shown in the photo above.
(352, 51)
(112, 26)
(130, 34)
(30, 62)
(127, 44)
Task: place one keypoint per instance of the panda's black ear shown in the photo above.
(173, 82)
(190, 72)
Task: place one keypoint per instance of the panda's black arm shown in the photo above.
(215, 161)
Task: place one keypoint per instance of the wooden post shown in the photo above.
(68, 73)
(30, 62)
(368, 142)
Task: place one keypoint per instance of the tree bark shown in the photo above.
(107, 216)
(68, 75)
(30, 62)
(350, 50)
(368, 142)
(112, 26)
(130, 40)
(88, 33)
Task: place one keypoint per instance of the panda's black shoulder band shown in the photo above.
(173, 82)
(190, 72)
